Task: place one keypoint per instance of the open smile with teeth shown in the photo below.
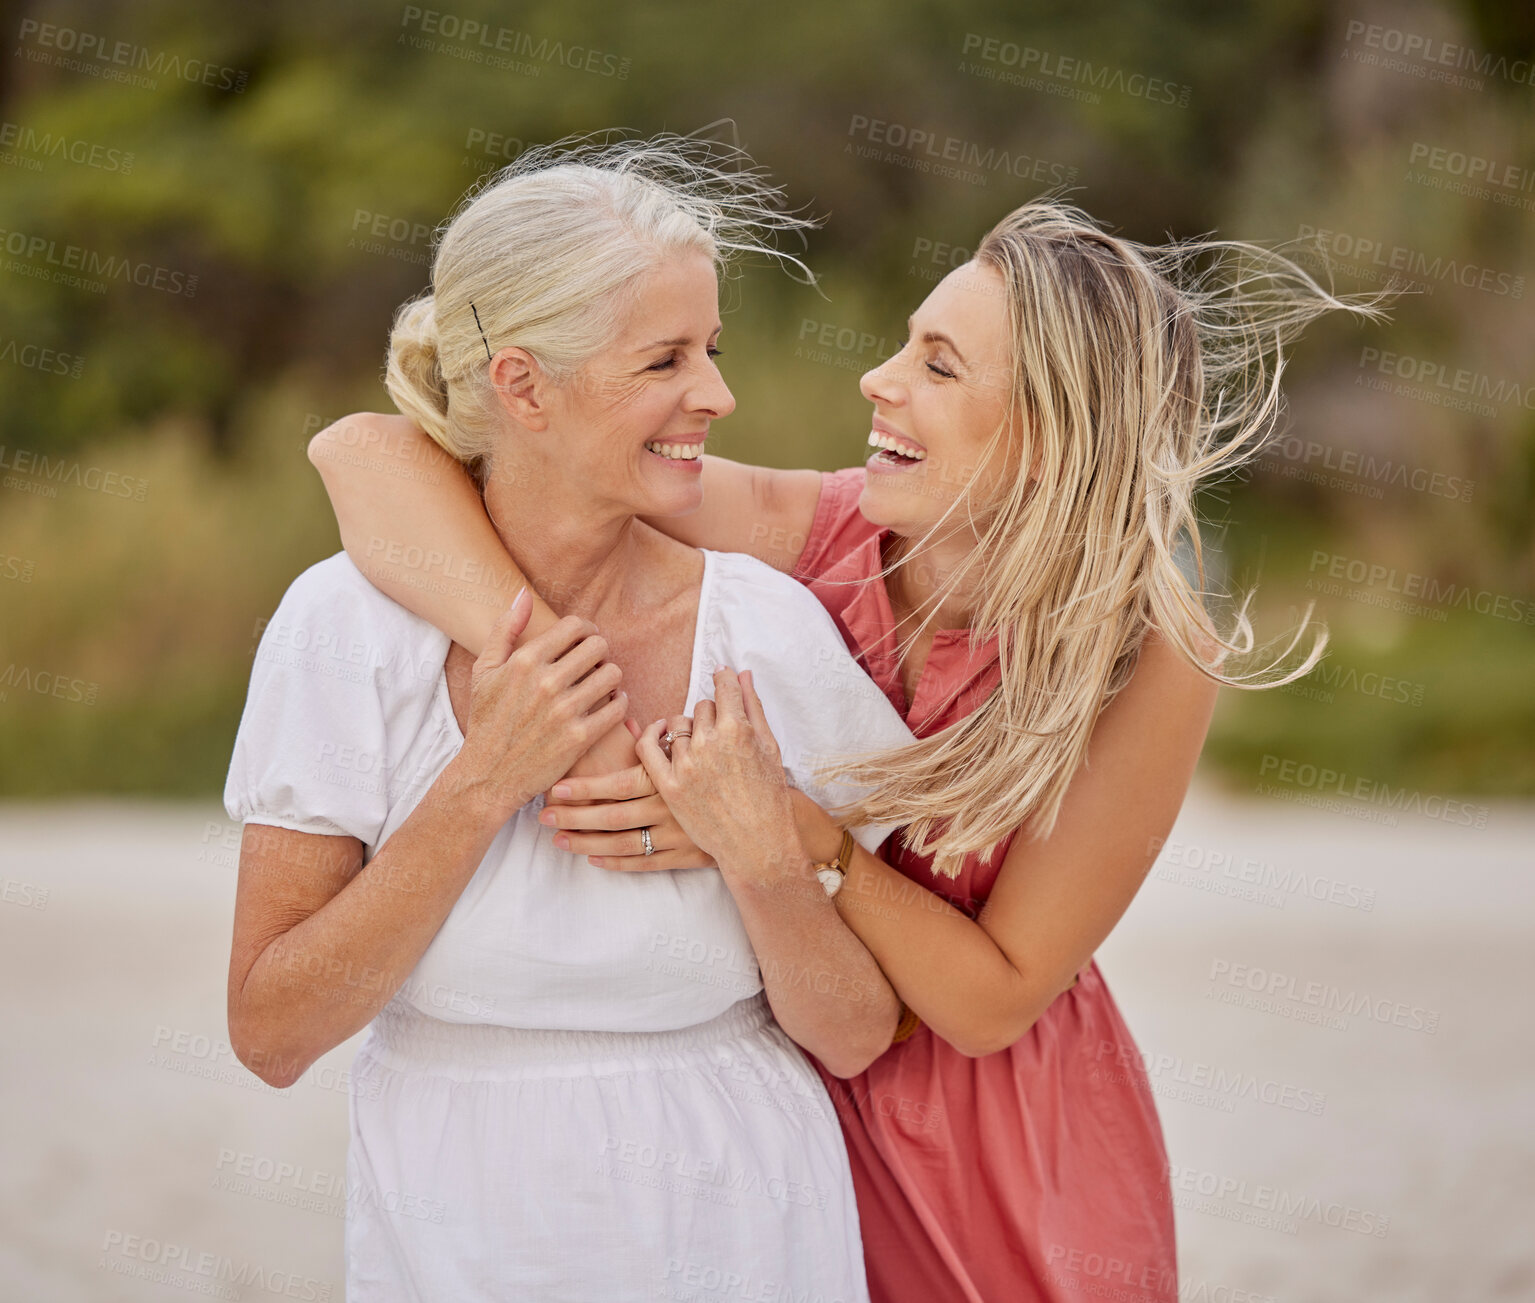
(904, 452)
(676, 451)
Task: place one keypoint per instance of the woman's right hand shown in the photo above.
(534, 709)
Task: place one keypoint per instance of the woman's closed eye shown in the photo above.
(936, 367)
(670, 361)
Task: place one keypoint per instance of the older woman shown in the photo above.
(575, 1084)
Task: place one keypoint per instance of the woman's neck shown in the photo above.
(582, 559)
(922, 581)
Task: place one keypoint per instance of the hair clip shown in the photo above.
(483, 340)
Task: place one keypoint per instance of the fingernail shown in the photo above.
(546, 817)
(562, 842)
(559, 790)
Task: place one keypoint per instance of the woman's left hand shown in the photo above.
(608, 831)
(725, 783)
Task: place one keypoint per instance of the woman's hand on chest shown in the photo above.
(725, 783)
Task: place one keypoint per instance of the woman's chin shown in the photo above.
(673, 499)
(886, 504)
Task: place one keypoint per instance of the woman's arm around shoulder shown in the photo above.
(413, 522)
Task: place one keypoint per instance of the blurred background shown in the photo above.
(208, 215)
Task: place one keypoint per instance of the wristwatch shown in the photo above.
(833, 872)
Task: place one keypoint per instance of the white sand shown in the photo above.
(112, 1131)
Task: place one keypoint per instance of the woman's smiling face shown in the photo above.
(940, 399)
(633, 421)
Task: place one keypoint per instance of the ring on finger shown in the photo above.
(645, 841)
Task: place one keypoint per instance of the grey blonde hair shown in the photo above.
(1138, 373)
(546, 255)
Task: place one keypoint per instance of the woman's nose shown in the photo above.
(713, 394)
(879, 384)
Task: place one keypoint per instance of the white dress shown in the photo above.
(580, 1091)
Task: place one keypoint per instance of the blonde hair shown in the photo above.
(546, 255)
(1141, 372)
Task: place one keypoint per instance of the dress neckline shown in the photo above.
(706, 587)
(953, 660)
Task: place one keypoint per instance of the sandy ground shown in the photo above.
(1337, 1015)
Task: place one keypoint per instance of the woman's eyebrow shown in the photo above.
(938, 337)
(682, 342)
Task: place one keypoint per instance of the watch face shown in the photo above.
(830, 879)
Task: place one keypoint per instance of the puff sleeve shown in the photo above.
(314, 701)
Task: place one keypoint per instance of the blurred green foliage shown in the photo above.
(323, 122)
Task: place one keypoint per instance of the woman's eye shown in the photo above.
(938, 370)
(667, 363)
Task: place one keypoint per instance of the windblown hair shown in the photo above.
(547, 254)
(1138, 373)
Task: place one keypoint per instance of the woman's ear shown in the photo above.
(521, 387)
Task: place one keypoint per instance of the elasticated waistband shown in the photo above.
(404, 1038)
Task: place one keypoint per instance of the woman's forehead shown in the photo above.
(969, 304)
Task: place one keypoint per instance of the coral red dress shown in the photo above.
(1037, 1172)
